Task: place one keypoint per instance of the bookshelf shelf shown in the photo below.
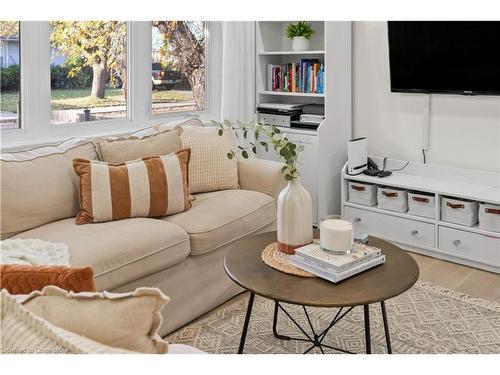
(267, 53)
(325, 148)
(282, 93)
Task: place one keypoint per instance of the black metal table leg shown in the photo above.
(245, 325)
(386, 328)
(275, 324)
(367, 330)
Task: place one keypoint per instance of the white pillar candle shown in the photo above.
(336, 235)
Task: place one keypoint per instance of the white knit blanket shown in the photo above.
(33, 252)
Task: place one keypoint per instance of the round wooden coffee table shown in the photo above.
(246, 268)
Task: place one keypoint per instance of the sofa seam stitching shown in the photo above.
(144, 256)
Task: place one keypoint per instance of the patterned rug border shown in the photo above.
(431, 287)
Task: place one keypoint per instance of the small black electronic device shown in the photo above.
(384, 173)
(374, 171)
(371, 172)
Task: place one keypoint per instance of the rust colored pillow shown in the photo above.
(23, 279)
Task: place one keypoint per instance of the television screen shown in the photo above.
(460, 57)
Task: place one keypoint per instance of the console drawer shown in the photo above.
(472, 246)
(392, 227)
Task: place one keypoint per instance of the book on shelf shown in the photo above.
(313, 254)
(306, 76)
(333, 276)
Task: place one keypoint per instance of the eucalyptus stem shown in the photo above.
(287, 151)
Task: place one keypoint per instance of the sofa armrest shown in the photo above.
(261, 175)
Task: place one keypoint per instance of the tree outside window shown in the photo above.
(178, 69)
(88, 70)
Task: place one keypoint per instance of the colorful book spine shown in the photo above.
(306, 76)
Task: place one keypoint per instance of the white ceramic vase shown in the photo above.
(294, 217)
(300, 43)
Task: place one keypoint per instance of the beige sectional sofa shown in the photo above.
(181, 254)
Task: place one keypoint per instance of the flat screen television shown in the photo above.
(457, 57)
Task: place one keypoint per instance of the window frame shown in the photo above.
(36, 127)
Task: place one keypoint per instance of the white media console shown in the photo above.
(433, 237)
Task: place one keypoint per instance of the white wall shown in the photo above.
(465, 131)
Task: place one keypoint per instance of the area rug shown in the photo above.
(425, 319)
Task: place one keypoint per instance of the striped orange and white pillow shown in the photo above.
(149, 187)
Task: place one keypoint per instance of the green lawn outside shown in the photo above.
(80, 98)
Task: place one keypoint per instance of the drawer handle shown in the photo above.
(457, 243)
(495, 211)
(414, 232)
(358, 188)
(455, 206)
(357, 220)
(389, 195)
(420, 199)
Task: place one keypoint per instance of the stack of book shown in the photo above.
(306, 76)
(335, 268)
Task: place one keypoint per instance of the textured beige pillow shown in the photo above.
(120, 150)
(209, 167)
(24, 333)
(123, 320)
(39, 186)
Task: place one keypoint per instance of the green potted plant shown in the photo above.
(300, 33)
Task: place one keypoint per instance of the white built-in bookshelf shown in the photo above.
(325, 148)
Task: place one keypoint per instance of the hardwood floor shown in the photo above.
(471, 281)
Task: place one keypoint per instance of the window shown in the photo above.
(10, 75)
(88, 71)
(178, 66)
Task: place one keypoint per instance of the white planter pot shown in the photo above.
(294, 222)
(299, 43)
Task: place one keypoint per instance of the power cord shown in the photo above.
(423, 153)
(399, 169)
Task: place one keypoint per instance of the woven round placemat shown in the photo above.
(281, 261)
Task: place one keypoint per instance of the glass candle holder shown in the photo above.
(336, 234)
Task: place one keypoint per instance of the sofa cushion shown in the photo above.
(220, 217)
(39, 186)
(149, 187)
(25, 333)
(122, 149)
(118, 251)
(122, 320)
(209, 167)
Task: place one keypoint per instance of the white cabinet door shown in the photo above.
(308, 164)
(473, 246)
(390, 227)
